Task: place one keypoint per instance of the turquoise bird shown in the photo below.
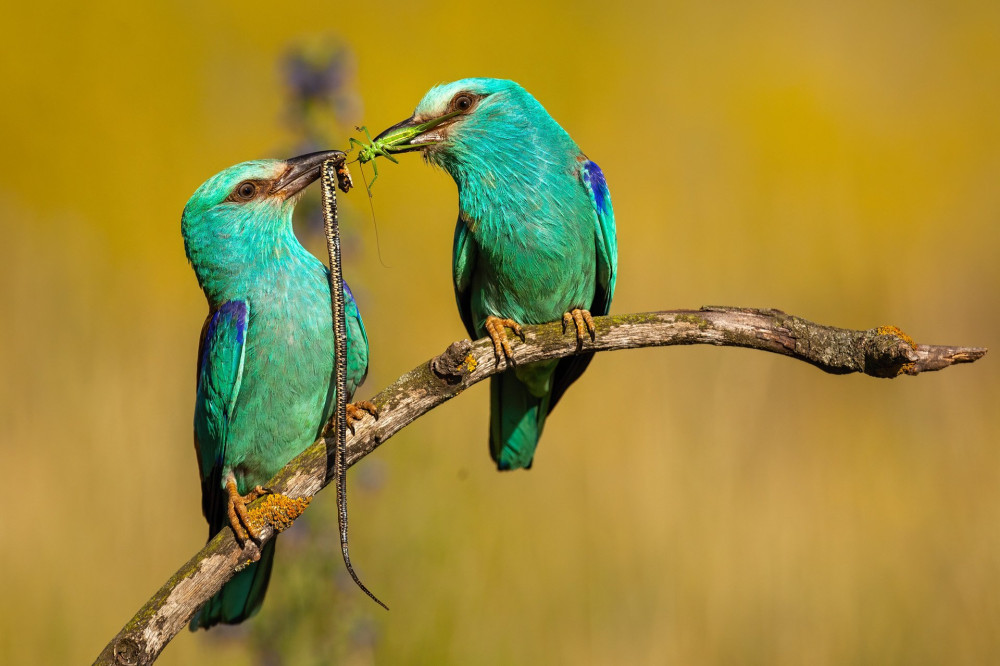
(266, 383)
(535, 239)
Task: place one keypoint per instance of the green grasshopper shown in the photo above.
(396, 139)
(368, 153)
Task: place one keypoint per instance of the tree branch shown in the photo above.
(880, 352)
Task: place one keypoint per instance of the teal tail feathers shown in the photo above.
(516, 421)
(241, 597)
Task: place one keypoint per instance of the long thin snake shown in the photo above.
(335, 174)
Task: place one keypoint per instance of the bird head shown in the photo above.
(258, 187)
(470, 119)
(245, 212)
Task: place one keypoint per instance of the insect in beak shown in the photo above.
(402, 137)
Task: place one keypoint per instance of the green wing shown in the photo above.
(357, 344)
(606, 255)
(606, 237)
(220, 372)
(463, 265)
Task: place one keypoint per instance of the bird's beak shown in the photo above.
(412, 135)
(301, 171)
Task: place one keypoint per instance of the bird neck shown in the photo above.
(243, 260)
(515, 187)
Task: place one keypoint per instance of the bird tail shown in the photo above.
(241, 597)
(517, 417)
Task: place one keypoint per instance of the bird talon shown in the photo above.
(499, 349)
(239, 517)
(357, 411)
(583, 322)
(258, 491)
(501, 346)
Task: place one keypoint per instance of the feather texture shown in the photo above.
(535, 238)
(266, 360)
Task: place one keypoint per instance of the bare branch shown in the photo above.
(880, 352)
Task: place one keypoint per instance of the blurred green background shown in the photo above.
(840, 161)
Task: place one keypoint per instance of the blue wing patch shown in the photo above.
(222, 356)
(594, 178)
(230, 314)
(605, 236)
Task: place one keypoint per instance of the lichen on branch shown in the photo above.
(884, 351)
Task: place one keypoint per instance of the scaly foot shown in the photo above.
(239, 518)
(580, 318)
(357, 410)
(501, 346)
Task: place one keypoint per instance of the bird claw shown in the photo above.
(583, 321)
(501, 346)
(357, 411)
(239, 517)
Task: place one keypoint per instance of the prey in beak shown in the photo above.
(403, 137)
(409, 135)
(301, 171)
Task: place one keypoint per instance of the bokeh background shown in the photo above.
(840, 161)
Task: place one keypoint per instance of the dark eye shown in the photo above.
(246, 190)
(462, 102)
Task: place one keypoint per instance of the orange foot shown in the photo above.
(501, 346)
(582, 319)
(357, 410)
(239, 518)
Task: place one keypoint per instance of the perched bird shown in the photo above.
(535, 239)
(266, 382)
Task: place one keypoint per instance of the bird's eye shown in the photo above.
(246, 190)
(462, 102)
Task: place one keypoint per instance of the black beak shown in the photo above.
(411, 135)
(402, 124)
(301, 171)
(397, 138)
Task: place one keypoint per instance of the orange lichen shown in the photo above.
(894, 330)
(470, 363)
(278, 511)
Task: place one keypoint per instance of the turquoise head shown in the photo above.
(241, 218)
(478, 126)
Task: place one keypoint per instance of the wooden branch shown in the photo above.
(881, 352)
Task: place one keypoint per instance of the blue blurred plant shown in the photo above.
(314, 615)
(321, 105)
(319, 75)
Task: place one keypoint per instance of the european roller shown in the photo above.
(535, 239)
(266, 382)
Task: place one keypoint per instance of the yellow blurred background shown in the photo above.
(840, 161)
